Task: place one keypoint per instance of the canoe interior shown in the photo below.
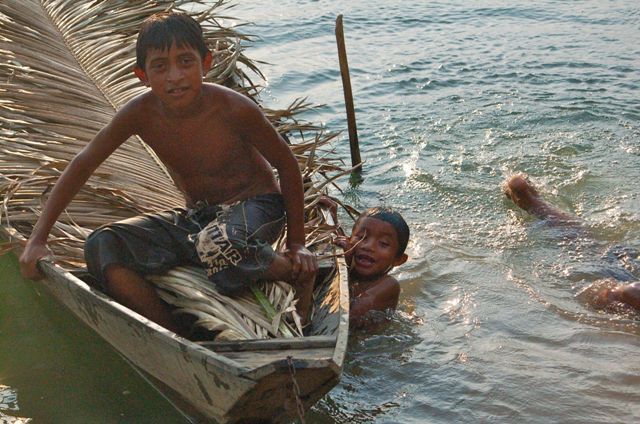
(225, 382)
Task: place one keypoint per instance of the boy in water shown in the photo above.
(377, 244)
(606, 294)
(219, 149)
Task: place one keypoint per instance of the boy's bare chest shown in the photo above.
(194, 147)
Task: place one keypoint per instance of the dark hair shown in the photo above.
(392, 217)
(161, 30)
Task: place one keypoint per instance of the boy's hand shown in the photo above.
(342, 241)
(345, 244)
(33, 251)
(304, 263)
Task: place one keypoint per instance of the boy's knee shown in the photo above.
(229, 290)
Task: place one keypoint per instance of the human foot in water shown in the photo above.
(519, 189)
(605, 294)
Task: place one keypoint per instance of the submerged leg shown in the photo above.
(603, 294)
(610, 295)
(629, 294)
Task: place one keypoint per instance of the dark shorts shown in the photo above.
(232, 242)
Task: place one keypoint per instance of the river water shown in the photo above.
(451, 97)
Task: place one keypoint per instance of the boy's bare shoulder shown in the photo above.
(385, 285)
(230, 99)
(218, 99)
(129, 119)
(387, 292)
(221, 90)
(379, 295)
(389, 283)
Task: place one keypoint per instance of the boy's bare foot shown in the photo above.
(304, 294)
(519, 189)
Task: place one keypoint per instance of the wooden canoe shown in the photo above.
(245, 381)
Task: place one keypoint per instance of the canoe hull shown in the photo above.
(253, 381)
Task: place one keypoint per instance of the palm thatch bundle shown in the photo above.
(65, 68)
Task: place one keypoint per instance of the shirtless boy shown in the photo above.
(219, 149)
(608, 294)
(377, 244)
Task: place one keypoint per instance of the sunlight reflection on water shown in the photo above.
(451, 97)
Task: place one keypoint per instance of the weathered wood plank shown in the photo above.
(309, 342)
(313, 358)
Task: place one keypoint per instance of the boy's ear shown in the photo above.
(206, 63)
(400, 260)
(142, 76)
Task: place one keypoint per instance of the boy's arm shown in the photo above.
(259, 132)
(380, 297)
(70, 182)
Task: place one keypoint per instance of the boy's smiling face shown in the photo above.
(376, 249)
(175, 76)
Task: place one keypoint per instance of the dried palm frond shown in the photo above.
(65, 68)
(188, 289)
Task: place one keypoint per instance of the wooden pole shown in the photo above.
(348, 97)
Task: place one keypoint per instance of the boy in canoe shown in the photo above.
(377, 244)
(220, 150)
(605, 294)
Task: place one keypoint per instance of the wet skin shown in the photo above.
(372, 251)
(520, 190)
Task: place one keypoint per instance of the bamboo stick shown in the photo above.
(348, 96)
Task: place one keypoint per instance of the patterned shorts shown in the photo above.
(232, 242)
